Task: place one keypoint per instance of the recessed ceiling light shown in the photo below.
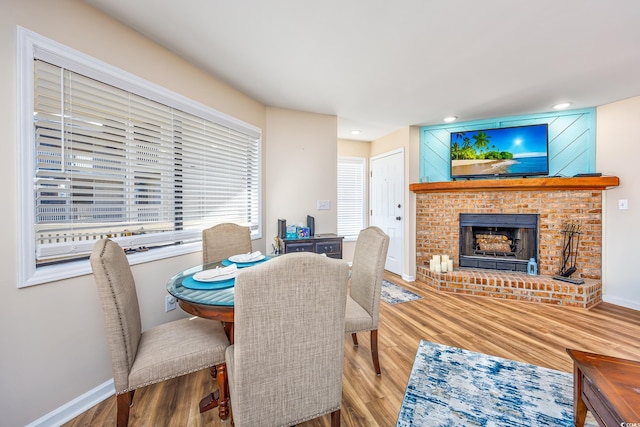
(356, 132)
(450, 119)
(561, 105)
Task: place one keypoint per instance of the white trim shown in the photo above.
(621, 302)
(408, 278)
(77, 406)
(53, 273)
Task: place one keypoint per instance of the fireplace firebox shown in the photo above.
(498, 241)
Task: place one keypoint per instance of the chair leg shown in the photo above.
(335, 418)
(354, 337)
(374, 351)
(124, 401)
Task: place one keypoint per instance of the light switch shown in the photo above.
(323, 205)
(623, 204)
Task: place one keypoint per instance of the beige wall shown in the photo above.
(54, 347)
(617, 153)
(302, 169)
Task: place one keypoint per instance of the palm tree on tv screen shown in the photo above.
(481, 142)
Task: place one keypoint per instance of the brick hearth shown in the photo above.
(556, 201)
(514, 286)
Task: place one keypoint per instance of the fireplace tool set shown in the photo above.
(570, 239)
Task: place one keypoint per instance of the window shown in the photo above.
(106, 154)
(351, 196)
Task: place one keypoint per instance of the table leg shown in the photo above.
(228, 328)
(220, 397)
(223, 388)
(210, 401)
(579, 407)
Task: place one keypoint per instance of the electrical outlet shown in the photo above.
(169, 303)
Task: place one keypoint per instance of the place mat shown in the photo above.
(191, 283)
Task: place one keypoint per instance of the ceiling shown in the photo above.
(380, 66)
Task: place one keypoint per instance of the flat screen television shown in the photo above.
(500, 152)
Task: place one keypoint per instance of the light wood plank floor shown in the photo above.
(528, 332)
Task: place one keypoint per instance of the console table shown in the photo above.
(608, 387)
(329, 244)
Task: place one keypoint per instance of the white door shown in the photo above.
(387, 203)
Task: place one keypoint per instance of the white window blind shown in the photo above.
(351, 196)
(111, 163)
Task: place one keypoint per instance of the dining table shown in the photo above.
(211, 298)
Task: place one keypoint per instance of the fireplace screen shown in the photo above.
(498, 241)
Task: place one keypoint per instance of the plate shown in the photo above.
(191, 283)
(242, 260)
(202, 276)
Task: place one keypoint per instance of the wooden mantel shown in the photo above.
(531, 184)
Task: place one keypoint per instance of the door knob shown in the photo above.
(398, 218)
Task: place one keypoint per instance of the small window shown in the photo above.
(352, 203)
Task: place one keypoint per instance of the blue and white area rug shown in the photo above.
(394, 294)
(450, 386)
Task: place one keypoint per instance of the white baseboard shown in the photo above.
(408, 278)
(77, 406)
(622, 302)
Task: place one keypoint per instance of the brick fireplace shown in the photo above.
(555, 202)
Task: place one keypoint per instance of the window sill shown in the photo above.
(69, 270)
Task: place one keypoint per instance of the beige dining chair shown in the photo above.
(285, 366)
(367, 273)
(165, 351)
(224, 240)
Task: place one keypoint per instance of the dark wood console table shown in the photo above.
(329, 244)
(608, 387)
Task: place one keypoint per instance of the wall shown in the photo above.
(54, 347)
(408, 139)
(351, 148)
(303, 169)
(618, 151)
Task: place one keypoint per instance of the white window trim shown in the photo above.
(31, 45)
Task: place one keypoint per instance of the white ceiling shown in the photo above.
(383, 65)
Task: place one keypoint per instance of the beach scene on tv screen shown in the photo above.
(502, 151)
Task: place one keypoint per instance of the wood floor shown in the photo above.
(528, 332)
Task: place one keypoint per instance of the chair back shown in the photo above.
(117, 291)
(289, 340)
(224, 240)
(367, 270)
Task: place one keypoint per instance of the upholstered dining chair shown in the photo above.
(224, 240)
(142, 358)
(285, 365)
(363, 301)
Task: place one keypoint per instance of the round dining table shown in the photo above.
(210, 300)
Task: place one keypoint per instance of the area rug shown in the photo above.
(450, 386)
(394, 294)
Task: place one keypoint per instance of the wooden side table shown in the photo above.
(608, 387)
